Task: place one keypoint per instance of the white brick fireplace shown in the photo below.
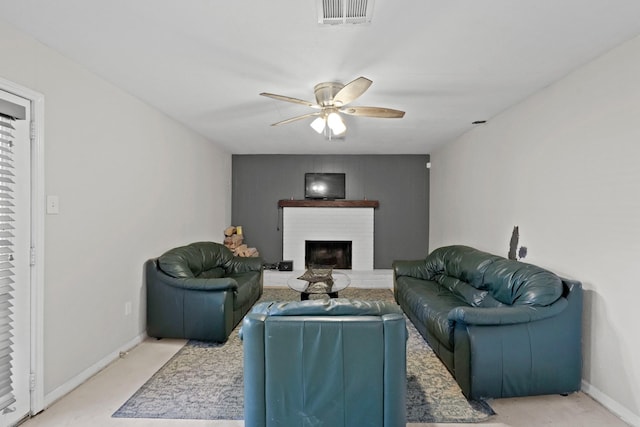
(353, 224)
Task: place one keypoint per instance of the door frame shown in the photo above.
(37, 241)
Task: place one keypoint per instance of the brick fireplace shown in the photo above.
(328, 221)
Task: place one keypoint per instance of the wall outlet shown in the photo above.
(53, 205)
(127, 308)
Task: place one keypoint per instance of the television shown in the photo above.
(327, 186)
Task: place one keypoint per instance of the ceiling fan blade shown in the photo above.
(351, 91)
(385, 113)
(294, 119)
(289, 99)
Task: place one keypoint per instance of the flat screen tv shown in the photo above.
(328, 186)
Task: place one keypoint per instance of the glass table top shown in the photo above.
(340, 282)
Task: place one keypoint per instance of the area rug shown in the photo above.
(204, 381)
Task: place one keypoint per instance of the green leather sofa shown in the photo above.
(325, 362)
(503, 328)
(200, 291)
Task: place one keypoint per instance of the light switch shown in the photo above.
(53, 205)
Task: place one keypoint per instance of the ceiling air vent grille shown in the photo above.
(333, 12)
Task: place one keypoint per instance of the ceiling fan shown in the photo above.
(331, 100)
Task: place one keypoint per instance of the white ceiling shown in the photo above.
(446, 63)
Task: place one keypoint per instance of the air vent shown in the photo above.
(335, 12)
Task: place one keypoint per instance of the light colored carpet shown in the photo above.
(204, 381)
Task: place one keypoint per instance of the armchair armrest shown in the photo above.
(413, 268)
(508, 315)
(213, 285)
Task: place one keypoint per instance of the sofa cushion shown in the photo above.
(507, 281)
(192, 260)
(212, 273)
(467, 293)
(183, 262)
(462, 262)
(430, 304)
(516, 283)
(213, 255)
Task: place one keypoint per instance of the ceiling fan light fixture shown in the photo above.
(331, 97)
(335, 123)
(318, 124)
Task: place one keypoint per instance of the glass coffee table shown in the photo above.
(340, 282)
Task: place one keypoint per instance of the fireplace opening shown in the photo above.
(336, 253)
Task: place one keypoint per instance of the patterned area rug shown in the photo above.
(204, 381)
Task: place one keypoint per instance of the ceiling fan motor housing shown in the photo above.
(325, 92)
(331, 97)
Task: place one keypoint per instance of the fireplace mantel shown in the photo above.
(328, 203)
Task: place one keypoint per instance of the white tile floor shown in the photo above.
(92, 404)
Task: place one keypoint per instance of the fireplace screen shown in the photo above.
(336, 253)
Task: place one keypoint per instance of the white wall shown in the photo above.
(131, 182)
(565, 167)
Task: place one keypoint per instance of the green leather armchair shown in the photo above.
(200, 291)
(326, 362)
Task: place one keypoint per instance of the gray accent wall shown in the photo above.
(399, 182)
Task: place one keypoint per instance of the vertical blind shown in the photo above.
(6, 258)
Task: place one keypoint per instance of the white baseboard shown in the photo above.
(83, 376)
(614, 407)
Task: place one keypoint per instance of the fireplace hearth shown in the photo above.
(336, 253)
